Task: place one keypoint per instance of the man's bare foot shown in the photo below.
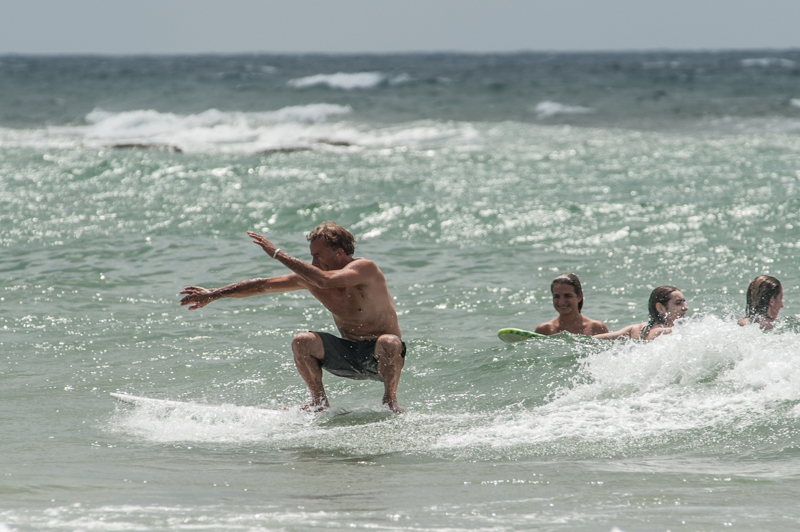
(314, 406)
(393, 406)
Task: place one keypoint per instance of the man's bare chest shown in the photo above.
(342, 299)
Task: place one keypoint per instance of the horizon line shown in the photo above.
(407, 52)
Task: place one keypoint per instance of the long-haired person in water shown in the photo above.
(568, 302)
(764, 301)
(666, 305)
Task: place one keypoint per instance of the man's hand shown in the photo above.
(197, 297)
(268, 247)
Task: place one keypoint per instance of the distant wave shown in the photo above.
(794, 102)
(768, 62)
(154, 121)
(290, 129)
(656, 65)
(312, 113)
(349, 81)
(548, 109)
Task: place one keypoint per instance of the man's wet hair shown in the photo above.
(659, 295)
(335, 237)
(759, 294)
(572, 280)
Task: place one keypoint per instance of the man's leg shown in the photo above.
(388, 352)
(308, 356)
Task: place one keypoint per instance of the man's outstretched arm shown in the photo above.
(198, 297)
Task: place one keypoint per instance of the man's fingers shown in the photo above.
(258, 239)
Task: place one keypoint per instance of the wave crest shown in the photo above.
(349, 81)
(549, 109)
(768, 62)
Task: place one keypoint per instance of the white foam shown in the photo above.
(341, 80)
(295, 127)
(172, 421)
(291, 128)
(549, 109)
(794, 102)
(708, 374)
(312, 113)
(768, 62)
(145, 123)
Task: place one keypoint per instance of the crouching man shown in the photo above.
(354, 290)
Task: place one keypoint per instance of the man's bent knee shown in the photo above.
(308, 343)
(388, 345)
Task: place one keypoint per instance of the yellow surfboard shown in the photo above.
(511, 335)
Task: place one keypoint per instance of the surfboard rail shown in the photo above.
(511, 335)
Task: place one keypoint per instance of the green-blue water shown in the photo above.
(471, 181)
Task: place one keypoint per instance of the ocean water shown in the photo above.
(472, 180)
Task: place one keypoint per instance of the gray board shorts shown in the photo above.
(351, 360)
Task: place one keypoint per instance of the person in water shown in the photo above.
(354, 290)
(666, 305)
(568, 302)
(764, 302)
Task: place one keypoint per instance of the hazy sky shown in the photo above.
(196, 26)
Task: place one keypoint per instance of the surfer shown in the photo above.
(354, 290)
(666, 305)
(568, 302)
(764, 302)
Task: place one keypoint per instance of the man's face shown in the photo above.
(321, 256)
(564, 298)
(676, 306)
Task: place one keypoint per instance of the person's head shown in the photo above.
(666, 305)
(764, 298)
(567, 293)
(332, 246)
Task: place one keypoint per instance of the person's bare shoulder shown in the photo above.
(359, 271)
(596, 327)
(655, 332)
(363, 266)
(636, 330)
(548, 328)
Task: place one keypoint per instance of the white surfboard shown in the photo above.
(164, 408)
(167, 404)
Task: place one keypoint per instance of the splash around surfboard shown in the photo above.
(511, 335)
(168, 405)
(165, 408)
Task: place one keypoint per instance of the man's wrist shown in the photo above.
(275, 253)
